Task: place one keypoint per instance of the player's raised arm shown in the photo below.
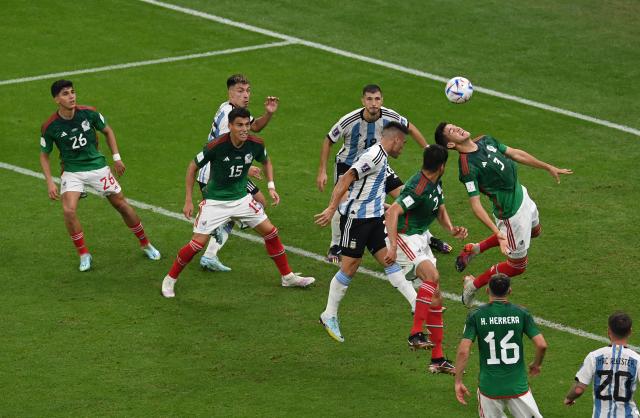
(321, 179)
(270, 107)
(525, 158)
(461, 363)
(341, 187)
(417, 135)
(188, 196)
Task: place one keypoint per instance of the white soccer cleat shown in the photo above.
(295, 280)
(332, 326)
(213, 264)
(167, 286)
(85, 262)
(468, 291)
(151, 252)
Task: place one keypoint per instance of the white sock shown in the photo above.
(335, 229)
(337, 290)
(397, 280)
(212, 249)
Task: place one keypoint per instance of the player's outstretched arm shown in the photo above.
(417, 135)
(268, 171)
(341, 187)
(270, 107)
(574, 393)
(525, 158)
(52, 188)
(459, 232)
(118, 165)
(461, 363)
(391, 223)
(321, 180)
(189, 181)
(540, 345)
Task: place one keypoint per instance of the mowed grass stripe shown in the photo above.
(311, 255)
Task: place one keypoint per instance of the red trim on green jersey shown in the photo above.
(464, 164)
(49, 122)
(85, 107)
(219, 140)
(255, 139)
(406, 223)
(422, 184)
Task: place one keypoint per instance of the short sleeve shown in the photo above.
(470, 183)
(365, 165)
(261, 155)
(98, 120)
(46, 144)
(204, 156)
(470, 332)
(530, 327)
(395, 116)
(585, 374)
(335, 133)
(408, 199)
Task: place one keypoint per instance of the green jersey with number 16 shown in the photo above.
(488, 171)
(230, 166)
(76, 139)
(499, 327)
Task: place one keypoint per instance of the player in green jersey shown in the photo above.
(72, 129)
(407, 220)
(226, 198)
(499, 327)
(489, 167)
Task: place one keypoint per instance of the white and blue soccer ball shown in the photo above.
(459, 90)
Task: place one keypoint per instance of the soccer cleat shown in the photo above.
(441, 366)
(440, 246)
(419, 341)
(167, 286)
(295, 280)
(85, 262)
(333, 255)
(83, 195)
(468, 291)
(213, 264)
(465, 257)
(151, 252)
(332, 327)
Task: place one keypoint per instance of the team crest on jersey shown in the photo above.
(492, 148)
(85, 125)
(248, 158)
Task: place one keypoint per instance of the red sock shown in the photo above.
(490, 242)
(510, 267)
(436, 327)
(138, 231)
(78, 241)
(423, 301)
(185, 255)
(275, 249)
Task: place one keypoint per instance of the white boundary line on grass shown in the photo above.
(308, 254)
(147, 62)
(390, 65)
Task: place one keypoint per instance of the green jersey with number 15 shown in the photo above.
(229, 166)
(76, 139)
(499, 327)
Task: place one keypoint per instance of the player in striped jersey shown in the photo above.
(239, 94)
(489, 167)
(360, 130)
(613, 370)
(73, 129)
(407, 220)
(362, 222)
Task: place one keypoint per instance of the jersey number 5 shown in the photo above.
(505, 348)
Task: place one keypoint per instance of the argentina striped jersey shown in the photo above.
(613, 370)
(358, 134)
(366, 194)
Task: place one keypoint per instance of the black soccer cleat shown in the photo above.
(419, 341)
(440, 246)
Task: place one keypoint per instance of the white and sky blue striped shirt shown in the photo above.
(366, 194)
(613, 370)
(358, 134)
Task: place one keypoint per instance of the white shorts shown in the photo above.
(214, 213)
(521, 407)
(101, 180)
(517, 228)
(413, 250)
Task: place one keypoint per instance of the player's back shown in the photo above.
(613, 370)
(366, 194)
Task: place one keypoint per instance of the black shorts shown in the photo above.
(360, 233)
(251, 187)
(392, 181)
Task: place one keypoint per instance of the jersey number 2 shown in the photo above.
(505, 348)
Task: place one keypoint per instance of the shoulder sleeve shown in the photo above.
(261, 153)
(204, 156)
(395, 116)
(408, 198)
(470, 332)
(501, 147)
(46, 143)
(336, 132)
(367, 164)
(585, 374)
(530, 327)
(468, 176)
(97, 120)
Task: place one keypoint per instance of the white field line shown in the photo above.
(143, 63)
(314, 256)
(390, 65)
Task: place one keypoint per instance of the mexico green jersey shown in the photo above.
(420, 199)
(499, 327)
(488, 171)
(229, 166)
(76, 139)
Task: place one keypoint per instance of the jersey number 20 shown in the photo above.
(618, 377)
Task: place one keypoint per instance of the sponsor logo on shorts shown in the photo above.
(352, 244)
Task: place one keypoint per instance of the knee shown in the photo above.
(536, 231)
(69, 213)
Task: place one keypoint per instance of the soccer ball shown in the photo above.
(458, 90)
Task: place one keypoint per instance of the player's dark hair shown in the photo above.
(620, 324)
(237, 79)
(499, 285)
(439, 134)
(57, 86)
(371, 88)
(434, 156)
(395, 125)
(239, 112)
